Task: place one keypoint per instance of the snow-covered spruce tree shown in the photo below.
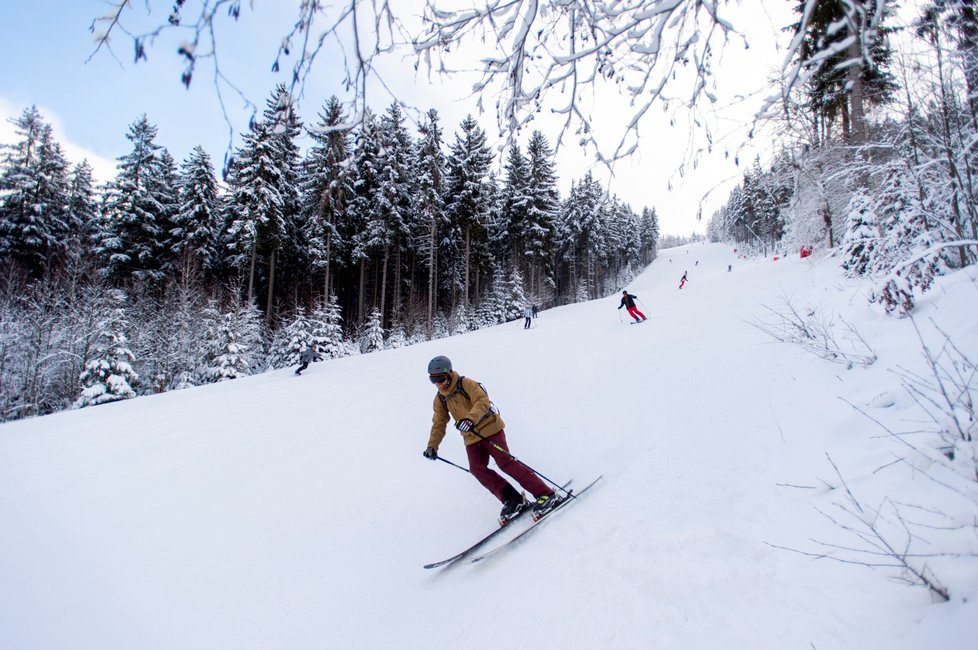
(78, 299)
(441, 330)
(196, 225)
(109, 376)
(390, 225)
(862, 236)
(459, 322)
(372, 337)
(429, 206)
(13, 331)
(846, 55)
(135, 229)
(764, 198)
(494, 308)
(466, 173)
(82, 214)
(649, 235)
(398, 337)
(515, 300)
(754, 216)
(514, 202)
(908, 253)
(626, 251)
(169, 192)
(489, 312)
(236, 344)
(211, 321)
(541, 215)
(179, 331)
(253, 201)
(582, 233)
(326, 188)
(290, 341)
(30, 349)
(264, 196)
(34, 190)
(361, 220)
(583, 293)
(328, 330)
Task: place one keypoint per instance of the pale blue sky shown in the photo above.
(47, 44)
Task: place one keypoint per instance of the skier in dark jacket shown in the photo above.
(683, 280)
(482, 431)
(308, 356)
(628, 300)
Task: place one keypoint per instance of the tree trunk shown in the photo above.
(396, 301)
(827, 220)
(383, 284)
(329, 254)
(251, 274)
(271, 288)
(955, 177)
(475, 286)
(857, 95)
(362, 290)
(969, 49)
(465, 283)
(432, 275)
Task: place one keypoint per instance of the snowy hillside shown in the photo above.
(296, 512)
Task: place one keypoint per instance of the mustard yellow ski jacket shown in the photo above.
(451, 401)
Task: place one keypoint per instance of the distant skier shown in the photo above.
(628, 300)
(535, 311)
(309, 355)
(683, 280)
(482, 430)
(528, 315)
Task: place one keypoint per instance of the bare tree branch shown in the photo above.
(530, 57)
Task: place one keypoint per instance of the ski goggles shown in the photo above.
(439, 377)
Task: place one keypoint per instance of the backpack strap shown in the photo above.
(458, 389)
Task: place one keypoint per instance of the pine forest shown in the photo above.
(385, 231)
(376, 237)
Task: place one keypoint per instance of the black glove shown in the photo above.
(464, 425)
(430, 453)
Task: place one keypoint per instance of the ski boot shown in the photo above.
(512, 508)
(545, 504)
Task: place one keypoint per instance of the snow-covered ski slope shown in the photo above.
(291, 512)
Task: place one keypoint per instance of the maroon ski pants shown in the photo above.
(479, 454)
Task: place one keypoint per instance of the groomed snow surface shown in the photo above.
(291, 512)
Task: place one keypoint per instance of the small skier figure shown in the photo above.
(528, 315)
(482, 431)
(535, 311)
(308, 356)
(683, 280)
(628, 300)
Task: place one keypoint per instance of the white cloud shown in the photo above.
(103, 168)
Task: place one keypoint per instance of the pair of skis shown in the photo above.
(470, 551)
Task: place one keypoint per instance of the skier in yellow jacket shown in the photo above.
(482, 431)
